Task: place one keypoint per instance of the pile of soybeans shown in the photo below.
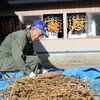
(54, 88)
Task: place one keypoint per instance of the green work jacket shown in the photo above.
(17, 45)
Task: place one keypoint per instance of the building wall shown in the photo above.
(62, 44)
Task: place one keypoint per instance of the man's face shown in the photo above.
(36, 34)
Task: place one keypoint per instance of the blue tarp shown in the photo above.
(4, 82)
(84, 73)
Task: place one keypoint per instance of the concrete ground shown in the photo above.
(70, 60)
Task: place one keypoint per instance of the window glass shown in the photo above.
(27, 20)
(93, 24)
(76, 25)
(55, 25)
(9, 24)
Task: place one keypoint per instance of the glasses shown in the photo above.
(41, 34)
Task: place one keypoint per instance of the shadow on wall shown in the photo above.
(43, 55)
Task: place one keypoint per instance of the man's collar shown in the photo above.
(28, 33)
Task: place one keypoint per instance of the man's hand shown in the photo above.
(32, 75)
(43, 70)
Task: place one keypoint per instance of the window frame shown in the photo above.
(87, 34)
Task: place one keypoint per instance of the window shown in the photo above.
(27, 20)
(93, 24)
(55, 25)
(76, 25)
(9, 24)
(54, 22)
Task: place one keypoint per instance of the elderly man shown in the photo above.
(17, 52)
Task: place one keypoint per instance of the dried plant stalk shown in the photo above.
(55, 88)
